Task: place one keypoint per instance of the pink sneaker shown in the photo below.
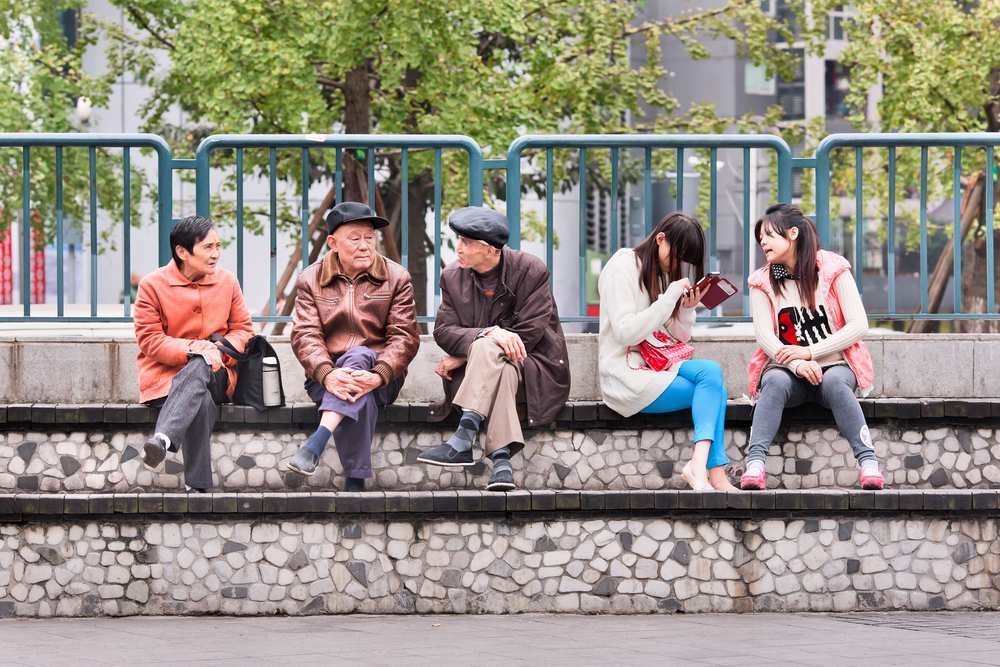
(871, 477)
(754, 478)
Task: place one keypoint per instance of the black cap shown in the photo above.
(480, 223)
(352, 211)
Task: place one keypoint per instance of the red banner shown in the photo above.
(37, 259)
(6, 269)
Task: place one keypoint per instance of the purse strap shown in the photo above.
(227, 347)
(629, 351)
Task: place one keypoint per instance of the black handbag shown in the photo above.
(250, 371)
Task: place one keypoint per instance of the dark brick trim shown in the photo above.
(576, 415)
(28, 507)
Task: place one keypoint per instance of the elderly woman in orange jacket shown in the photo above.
(179, 307)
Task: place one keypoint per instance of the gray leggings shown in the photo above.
(781, 389)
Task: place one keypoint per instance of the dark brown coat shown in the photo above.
(523, 304)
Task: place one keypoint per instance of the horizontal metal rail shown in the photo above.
(610, 151)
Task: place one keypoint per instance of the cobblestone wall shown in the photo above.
(944, 456)
(614, 566)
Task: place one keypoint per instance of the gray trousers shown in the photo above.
(781, 389)
(188, 415)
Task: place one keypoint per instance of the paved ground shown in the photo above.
(912, 639)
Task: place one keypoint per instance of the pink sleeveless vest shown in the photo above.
(831, 265)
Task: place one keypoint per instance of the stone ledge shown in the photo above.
(930, 454)
(237, 506)
(593, 414)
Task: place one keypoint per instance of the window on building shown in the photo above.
(792, 91)
(599, 221)
(837, 87)
(836, 19)
(786, 15)
(70, 20)
(780, 10)
(756, 81)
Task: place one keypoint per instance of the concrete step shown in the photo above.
(94, 449)
(471, 552)
(101, 368)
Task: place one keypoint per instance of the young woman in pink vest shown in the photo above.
(809, 321)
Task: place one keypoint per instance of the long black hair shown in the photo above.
(779, 219)
(687, 244)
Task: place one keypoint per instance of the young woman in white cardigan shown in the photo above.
(645, 290)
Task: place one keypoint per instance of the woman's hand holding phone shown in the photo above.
(694, 295)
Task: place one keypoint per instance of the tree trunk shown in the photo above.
(357, 120)
(388, 203)
(972, 202)
(975, 279)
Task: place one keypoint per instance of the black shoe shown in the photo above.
(445, 455)
(153, 452)
(501, 480)
(354, 484)
(193, 489)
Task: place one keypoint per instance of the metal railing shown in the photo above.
(615, 144)
(339, 142)
(891, 143)
(92, 142)
(585, 151)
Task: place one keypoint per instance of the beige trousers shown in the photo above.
(490, 388)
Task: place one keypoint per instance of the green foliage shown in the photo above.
(41, 77)
(491, 69)
(936, 67)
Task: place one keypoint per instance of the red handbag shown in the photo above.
(660, 351)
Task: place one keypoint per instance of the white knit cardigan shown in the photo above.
(627, 317)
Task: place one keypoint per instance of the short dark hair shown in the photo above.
(188, 232)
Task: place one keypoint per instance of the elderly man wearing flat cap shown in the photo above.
(355, 333)
(499, 325)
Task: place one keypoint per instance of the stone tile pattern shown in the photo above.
(441, 566)
(946, 456)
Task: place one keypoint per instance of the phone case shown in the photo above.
(720, 290)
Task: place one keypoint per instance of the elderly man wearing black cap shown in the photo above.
(499, 325)
(355, 334)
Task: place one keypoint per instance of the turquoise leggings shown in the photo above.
(699, 386)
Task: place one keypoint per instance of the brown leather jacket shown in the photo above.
(334, 313)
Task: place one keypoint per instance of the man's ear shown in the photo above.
(331, 243)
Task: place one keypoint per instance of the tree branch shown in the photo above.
(673, 24)
(327, 82)
(140, 20)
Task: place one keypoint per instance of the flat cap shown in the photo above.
(480, 223)
(352, 211)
